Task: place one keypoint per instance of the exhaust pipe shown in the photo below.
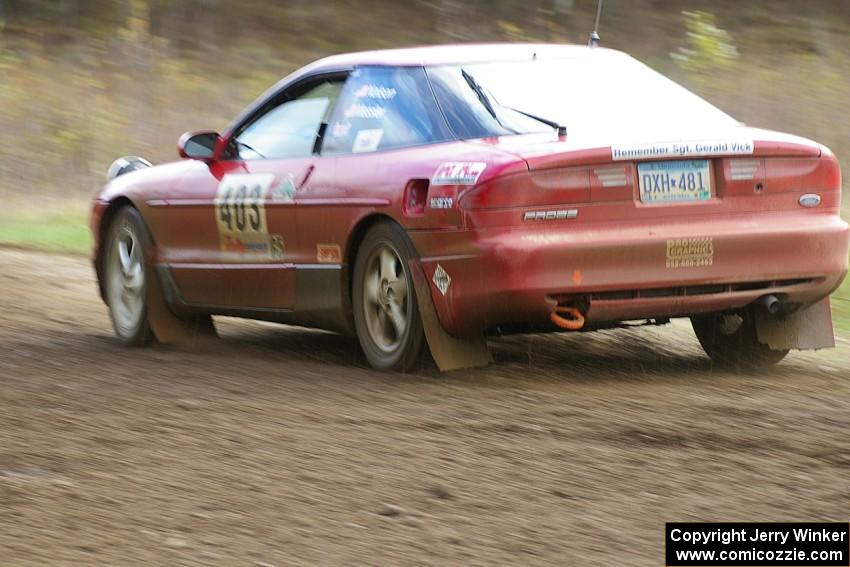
(770, 303)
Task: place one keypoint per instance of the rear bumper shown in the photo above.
(516, 275)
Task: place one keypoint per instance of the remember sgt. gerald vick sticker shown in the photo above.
(683, 149)
(690, 252)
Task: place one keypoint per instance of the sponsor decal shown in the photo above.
(340, 129)
(458, 173)
(276, 247)
(441, 202)
(547, 238)
(690, 252)
(286, 190)
(550, 215)
(367, 140)
(230, 244)
(441, 279)
(328, 253)
(358, 110)
(240, 216)
(682, 149)
(378, 92)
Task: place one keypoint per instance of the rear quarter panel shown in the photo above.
(348, 188)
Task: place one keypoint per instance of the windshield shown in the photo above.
(593, 96)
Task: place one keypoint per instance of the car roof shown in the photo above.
(461, 54)
(431, 55)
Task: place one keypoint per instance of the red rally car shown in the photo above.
(428, 197)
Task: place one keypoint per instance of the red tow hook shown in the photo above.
(575, 321)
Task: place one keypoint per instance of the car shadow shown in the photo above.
(617, 356)
(626, 355)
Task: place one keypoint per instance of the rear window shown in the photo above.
(472, 109)
(593, 96)
(383, 108)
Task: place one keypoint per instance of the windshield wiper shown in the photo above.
(483, 98)
(562, 130)
(479, 91)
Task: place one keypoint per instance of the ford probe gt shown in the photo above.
(432, 196)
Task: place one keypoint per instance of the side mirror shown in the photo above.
(198, 145)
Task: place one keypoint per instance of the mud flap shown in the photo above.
(806, 329)
(450, 353)
(166, 326)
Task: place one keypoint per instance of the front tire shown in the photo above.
(386, 314)
(731, 340)
(125, 277)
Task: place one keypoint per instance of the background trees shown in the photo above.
(84, 81)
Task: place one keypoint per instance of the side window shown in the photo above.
(382, 108)
(288, 130)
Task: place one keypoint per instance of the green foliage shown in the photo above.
(708, 47)
(58, 232)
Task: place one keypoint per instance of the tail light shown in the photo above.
(747, 177)
(536, 189)
(796, 175)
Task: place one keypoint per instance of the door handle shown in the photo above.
(306, 177)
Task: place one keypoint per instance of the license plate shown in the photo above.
(674, 181)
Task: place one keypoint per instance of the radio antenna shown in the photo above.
(594, 35)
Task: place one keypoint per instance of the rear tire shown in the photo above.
(386, 313)
(732, 341)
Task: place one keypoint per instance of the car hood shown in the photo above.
(151, 182)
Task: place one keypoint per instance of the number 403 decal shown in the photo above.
(239, 208)
(240, 204)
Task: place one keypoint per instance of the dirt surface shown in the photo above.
(279, 446)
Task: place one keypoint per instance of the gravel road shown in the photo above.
(279, 446)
